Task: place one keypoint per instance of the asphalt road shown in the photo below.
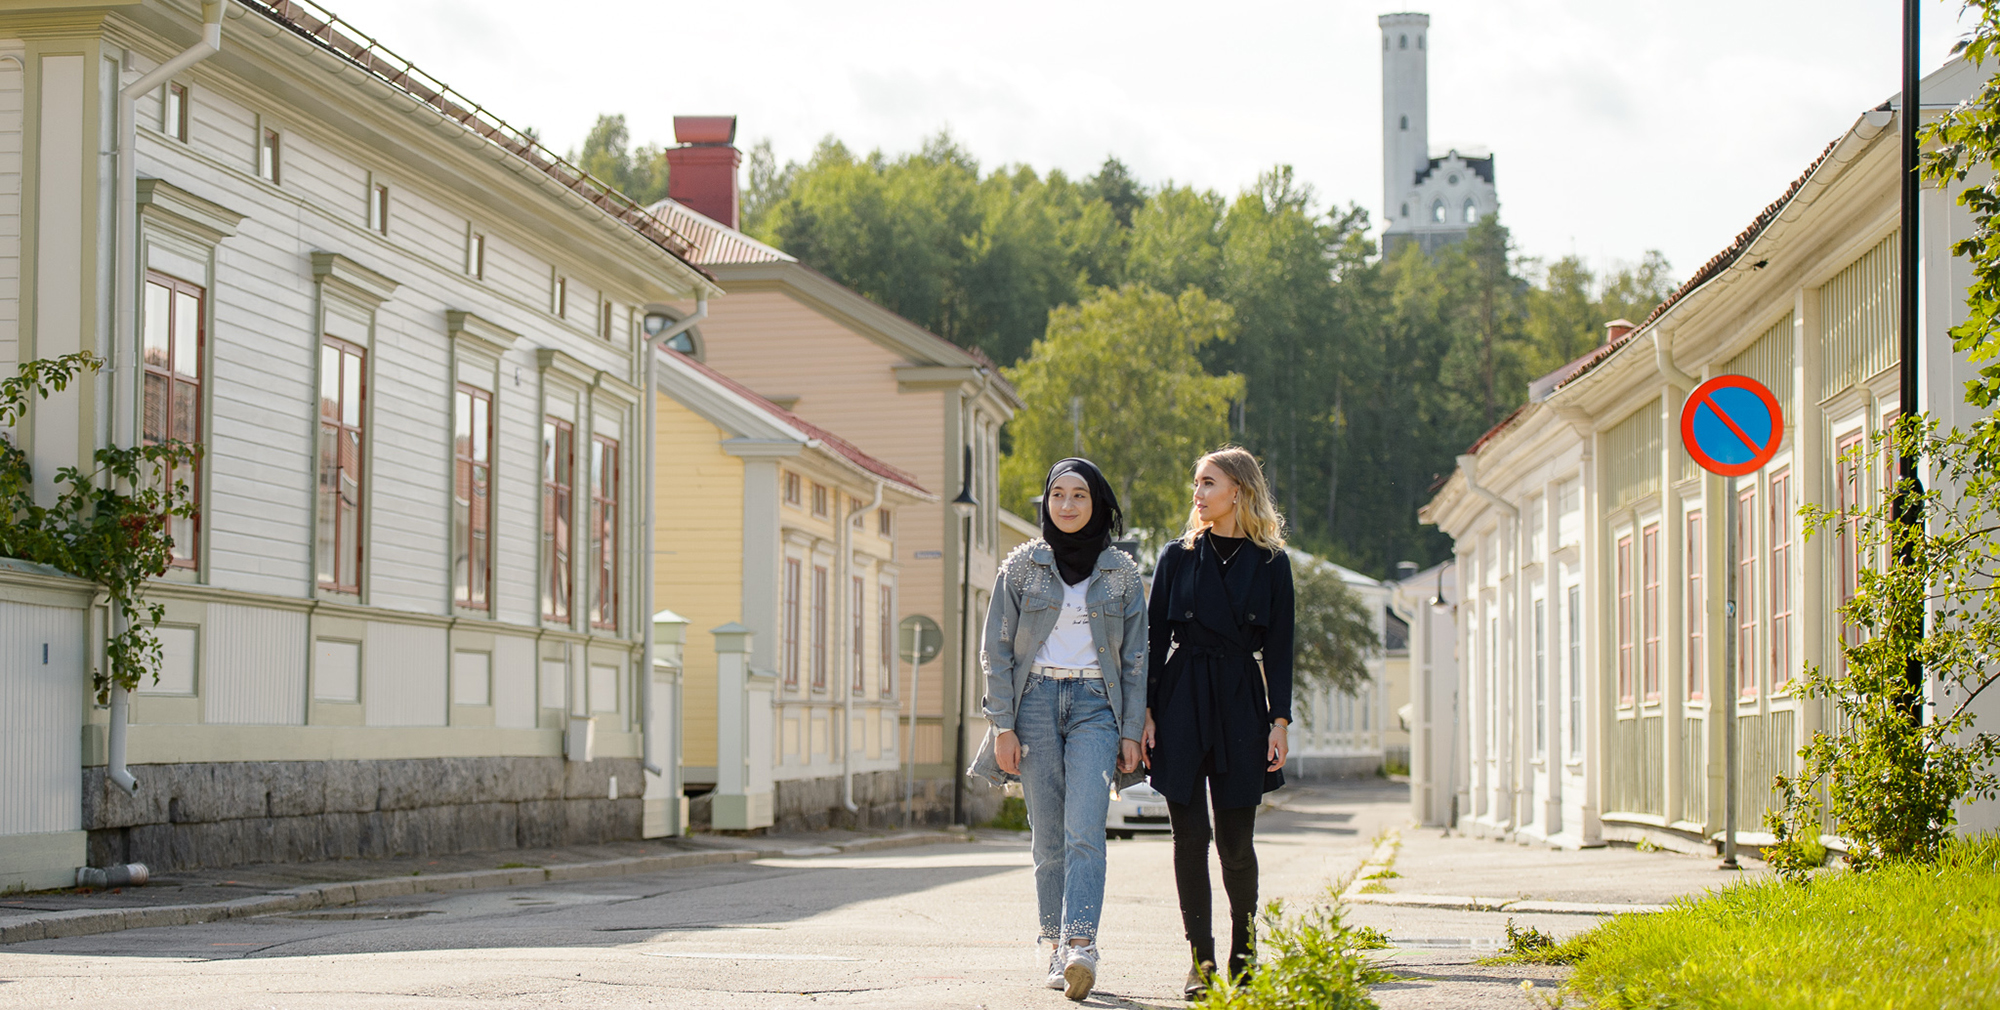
(939, 926)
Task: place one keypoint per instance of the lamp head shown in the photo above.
(656, 323)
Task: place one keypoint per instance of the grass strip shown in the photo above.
(1901, 936)
(1310, 958)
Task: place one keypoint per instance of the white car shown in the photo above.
(1136, 809)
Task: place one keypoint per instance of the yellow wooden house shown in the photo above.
(776, 542)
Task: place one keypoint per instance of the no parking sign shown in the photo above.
(1731, 425)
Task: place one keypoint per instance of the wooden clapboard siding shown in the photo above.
(408, 556)
(12, 122)
(517, 491)
(224, 129)
(259, 452)
(423, 226)
(334, 185)
(698, 573)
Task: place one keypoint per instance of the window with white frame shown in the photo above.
(819, 627)
(604, 466)
(1625, 643)
(885, 637)
(1696, 613)
(341, 463)
(1573, 614)
(558, 483)
(1746, 589)
(173, 345)
(1649, 569)
(269, 154)
(858, 631)
(378, 208)
(174, 112)
(1780, 577)
(472, 497)
(1541, 678)
(789, 661)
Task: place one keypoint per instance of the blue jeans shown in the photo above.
(1069, 737)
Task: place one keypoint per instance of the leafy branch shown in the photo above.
(1891, 777)
(108, 525)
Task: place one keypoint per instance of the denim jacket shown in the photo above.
(1027, 598)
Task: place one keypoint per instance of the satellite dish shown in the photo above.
(920, 640)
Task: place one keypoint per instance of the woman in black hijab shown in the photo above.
(1065, 660)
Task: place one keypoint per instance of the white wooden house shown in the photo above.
(1593, 694)
(407, 340)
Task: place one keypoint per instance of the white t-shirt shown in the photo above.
(1070, 644)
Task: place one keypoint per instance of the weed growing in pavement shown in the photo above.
(1308, 959)
(1528, 945)
(1902, 934)
(1370, 938)
(1382, 875)
(1647, 845)
(1374, 886)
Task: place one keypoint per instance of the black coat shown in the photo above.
(1208, 701)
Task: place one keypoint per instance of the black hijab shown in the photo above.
(1077, 553)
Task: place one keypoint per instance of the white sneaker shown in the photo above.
(1079, 970)
(1055, 979)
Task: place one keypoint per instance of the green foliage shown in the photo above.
(978, 261)
(1905, 935)
(1363, 377)
(1012, 815)
(1893, 776)
(1333, 630)
(607, 154)
(108, 526)
(1148, 407)
(1311, 959)
(1967, 140)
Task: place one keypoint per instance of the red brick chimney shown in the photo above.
(702, 171)
(1615, 330)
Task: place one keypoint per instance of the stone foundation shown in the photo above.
(235, 813)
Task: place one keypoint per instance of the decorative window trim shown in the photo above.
(164, 205)
(352, 280)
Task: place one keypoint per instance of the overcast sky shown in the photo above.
(1617, 126)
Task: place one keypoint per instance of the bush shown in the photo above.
(1012, 816)
(1900, 935)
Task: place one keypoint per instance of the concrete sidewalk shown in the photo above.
(211, 895)
(1446, 901)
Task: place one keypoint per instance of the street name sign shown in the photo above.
(1731, 425)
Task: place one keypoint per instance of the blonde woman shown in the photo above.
(1217, 717)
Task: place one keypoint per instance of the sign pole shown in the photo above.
(910, 751)
(1729, 675)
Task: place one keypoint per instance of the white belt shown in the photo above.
(1067, 673)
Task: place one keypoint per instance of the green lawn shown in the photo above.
(1897, 937)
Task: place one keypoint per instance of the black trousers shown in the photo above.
(1232, 834)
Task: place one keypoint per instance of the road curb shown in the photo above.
(85, 922)
(1384, 856)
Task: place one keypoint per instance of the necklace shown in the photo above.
(1232, 554)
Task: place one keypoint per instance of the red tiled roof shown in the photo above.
(826, 438)
(715, 242)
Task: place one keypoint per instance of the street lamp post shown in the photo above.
(964, 505)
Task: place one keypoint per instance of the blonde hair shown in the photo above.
(1256, 516)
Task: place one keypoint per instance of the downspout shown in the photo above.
(125, 331)
(1663, 360)
(653, 346)
(847, 700)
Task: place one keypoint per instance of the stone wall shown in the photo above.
(234, 813)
